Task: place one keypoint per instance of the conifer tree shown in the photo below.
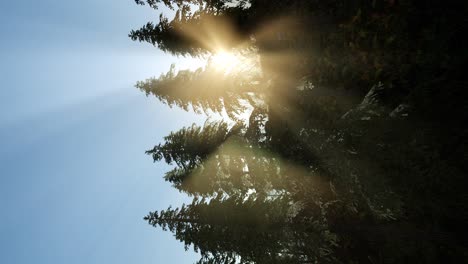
(216, 158)
(187, 33)
(207, 90)
(236, 230)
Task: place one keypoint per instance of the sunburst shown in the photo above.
(226, 62)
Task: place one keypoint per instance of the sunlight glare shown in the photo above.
(225, 61)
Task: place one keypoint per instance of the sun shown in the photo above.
(225, 61)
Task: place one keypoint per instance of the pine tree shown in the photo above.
(235, 230)
(190, 145)
(218, 159)
(191, 32)
(208, 89)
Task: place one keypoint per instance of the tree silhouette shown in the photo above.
(217, 159)
(190, 145)
(238, 230)
(187, 33)
(207, 89)
(168, 3)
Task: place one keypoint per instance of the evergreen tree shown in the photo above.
(191, 32)
(208, 89)
(237, 230)
(215, 158)
(190, 145)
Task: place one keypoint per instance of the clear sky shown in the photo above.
(74, 180)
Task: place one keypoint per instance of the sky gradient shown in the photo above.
(74, 180)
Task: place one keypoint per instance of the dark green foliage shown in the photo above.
(355, 150)
(186, 34)
(251, 230)
(217, 159)
(189, 146)
(167, 37)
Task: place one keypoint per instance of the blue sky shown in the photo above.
(74, 180)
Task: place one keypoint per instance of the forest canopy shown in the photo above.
(344, 137)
